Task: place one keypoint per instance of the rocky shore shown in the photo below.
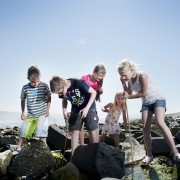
(89, 162)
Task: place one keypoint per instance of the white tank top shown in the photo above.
(153, 91)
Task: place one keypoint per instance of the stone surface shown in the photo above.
(133, 150)
(58, 139)
(95, 160)
(5, 158)
(33, 160)
(67, 172)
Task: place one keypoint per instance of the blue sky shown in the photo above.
(69, 38)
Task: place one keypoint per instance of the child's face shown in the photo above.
(34, 82)
(62, 92)
(98, 76)
(120, 99)
(126, 75)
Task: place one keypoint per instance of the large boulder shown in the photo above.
(133, 150)
(160, 146)
(58, 139)
(105, 156)
(95, 160)
(33, 160)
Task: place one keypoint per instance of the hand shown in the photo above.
(104, 110)
(47, 114)
(23, 116)
(66, 116)
(126, 95)
(123, 81)
(84, 112)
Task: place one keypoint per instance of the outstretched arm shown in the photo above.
(107, 107)
(91, 100)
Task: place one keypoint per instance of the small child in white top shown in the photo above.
(111, 125)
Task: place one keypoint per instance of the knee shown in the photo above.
(160, 125)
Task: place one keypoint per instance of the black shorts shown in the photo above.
(90, 121)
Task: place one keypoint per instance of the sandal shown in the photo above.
(146, 160)
(15, 152)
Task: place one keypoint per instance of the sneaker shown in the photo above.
(177, 158)
(16, 151)
(146, 161)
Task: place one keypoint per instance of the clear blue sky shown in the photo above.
(69, 37)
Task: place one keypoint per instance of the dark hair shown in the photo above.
(99, 69)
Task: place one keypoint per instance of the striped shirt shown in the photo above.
(36, 98)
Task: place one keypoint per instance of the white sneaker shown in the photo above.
(147, 160)
(16, 151)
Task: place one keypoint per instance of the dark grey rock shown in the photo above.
(99, 160)
(4, 140)
(110, 161)
(33, 160)
(58, 139)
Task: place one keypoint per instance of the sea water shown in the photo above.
(11, 119)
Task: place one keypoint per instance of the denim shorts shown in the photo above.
(151, 107)
(90, 121)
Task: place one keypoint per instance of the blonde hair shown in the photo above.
(126, 64)
(56, 83)
(119, 93)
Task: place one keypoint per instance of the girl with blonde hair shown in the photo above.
(153, 102)
(111, 125)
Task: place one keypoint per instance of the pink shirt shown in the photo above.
(87, 79)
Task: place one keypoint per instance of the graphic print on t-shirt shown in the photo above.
(76, 97)
(34, 92)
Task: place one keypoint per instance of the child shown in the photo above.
(111, 125)
(153, 102)
(38, 98)
(95, 80)
(83, 109)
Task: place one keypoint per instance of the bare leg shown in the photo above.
(19, 146)
(97, 132)
(93, 136)
(159, 114)
(81, 136)
(116, 140)
(43, 139)
(20, 143)
(74, 140)
(146, 118)
(102, 137)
